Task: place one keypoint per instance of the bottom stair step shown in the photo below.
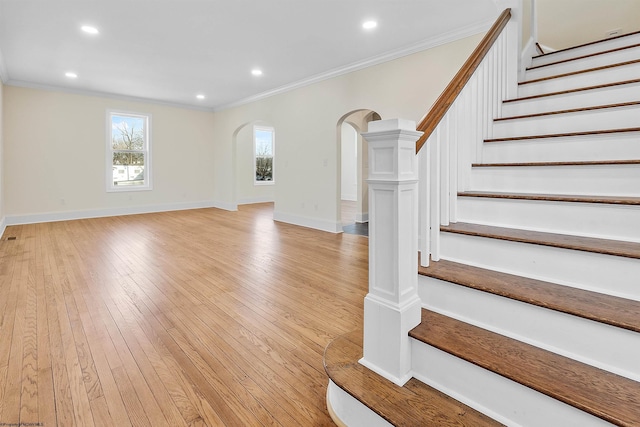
(605, 395)
(414, 404)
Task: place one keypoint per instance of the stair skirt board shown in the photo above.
(599, 220)
(607, 274)
(623, 146)
(601, 180)
(500, 398)
(345, 410)
(584, 340)
(591, 78)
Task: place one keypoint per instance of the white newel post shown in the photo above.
(392, 306)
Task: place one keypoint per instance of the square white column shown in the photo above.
(392, 306)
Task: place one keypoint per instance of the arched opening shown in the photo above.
(351, 191)
(244, 188)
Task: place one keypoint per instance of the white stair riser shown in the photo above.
(583, 121)
(589, 98)
(589, 342)
(504, 400)
(612, 275)
(584, 63)
(624, 146)
(575, 81)
(605, 221)
(351, 411)
(587, 50)
(602, 180)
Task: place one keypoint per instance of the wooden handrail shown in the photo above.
(451, 92)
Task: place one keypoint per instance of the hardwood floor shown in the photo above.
(202, 317)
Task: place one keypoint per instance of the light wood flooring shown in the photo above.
(201, 317)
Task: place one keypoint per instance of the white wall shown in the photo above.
(349, 142)
(246, 190)
(2, 214)
(306, 122)
(44, 130)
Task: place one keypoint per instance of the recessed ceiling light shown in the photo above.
(89, 29)
(200, 96)
(71, 75)
(256, 72)
(369, 25)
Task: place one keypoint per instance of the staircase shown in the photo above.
(531, 299)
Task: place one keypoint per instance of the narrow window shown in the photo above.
(263, 154)
(128, 151)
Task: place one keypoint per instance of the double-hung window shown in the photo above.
(263, 154)
(128, 151)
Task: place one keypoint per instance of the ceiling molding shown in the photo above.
(369, 62)
(29, 85)
(4, 76)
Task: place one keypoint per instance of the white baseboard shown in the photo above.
(3, 226)
(318, 224)
(258, 199)
(97, 213)
(363, 217)
(223, 205)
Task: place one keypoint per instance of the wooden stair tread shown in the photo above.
(573, 163)
(414, 404)
(573, 110)
(607, 309)
(608, 396)
(574, 73)
(614, 200)
(564, 135)
(581, 89)
(587, 244)
(591, 55)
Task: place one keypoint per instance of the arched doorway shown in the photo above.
(351, 191)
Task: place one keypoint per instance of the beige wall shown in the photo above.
(54, 143)
(54, 155)
(567, 23)
(305, 121)
(527, 33)
(1, 158)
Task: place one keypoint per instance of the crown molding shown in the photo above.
(369, 62)
(53, 88)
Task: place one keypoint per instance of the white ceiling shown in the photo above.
(171, 50)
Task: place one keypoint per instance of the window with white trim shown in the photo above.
(128, 151)
(263, 155)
